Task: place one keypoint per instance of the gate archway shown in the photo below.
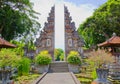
(46, 41)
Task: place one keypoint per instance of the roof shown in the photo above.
(113, 41)
(6, 44)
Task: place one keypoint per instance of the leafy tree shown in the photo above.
(101, 25)
(59, 54)
(18, 19)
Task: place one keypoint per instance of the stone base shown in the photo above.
(42, 68)
(74, 68)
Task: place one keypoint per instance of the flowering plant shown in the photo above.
(101, 58)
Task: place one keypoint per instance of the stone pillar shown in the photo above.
(46, 40)
(72, 39)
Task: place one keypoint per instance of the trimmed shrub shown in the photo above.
(43, 58)
(73, 58)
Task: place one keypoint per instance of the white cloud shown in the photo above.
(78, 14)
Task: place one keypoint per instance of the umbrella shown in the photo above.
(6, 44)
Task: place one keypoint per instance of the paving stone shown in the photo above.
(57, 78)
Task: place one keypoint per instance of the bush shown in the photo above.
(23, 66)
(73, 58)
(8, 58)
(43, 58)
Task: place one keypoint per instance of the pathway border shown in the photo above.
(74, 78)
(40, 78)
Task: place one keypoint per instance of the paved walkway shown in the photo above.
(57, 78)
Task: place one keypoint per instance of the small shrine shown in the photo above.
(113, 45)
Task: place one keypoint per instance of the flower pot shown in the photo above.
(75, 68)
(42, 68)
(102, 76)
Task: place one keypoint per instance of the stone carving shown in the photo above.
(71, 35)
(46, 39)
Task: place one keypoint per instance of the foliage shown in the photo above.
(74, 58)
(23, 66)
(62, 57)
(8, 58)
(30, 45)
(18, 19)
(26, 79)
(84, 79)
(43, 58)
(100, 26)
(59, 54)
(20, 47)
(101, 58)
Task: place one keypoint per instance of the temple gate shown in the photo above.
(46, 41)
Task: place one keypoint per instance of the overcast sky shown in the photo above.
(79, 10)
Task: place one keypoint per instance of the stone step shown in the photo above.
(59, 67)
(59, 70)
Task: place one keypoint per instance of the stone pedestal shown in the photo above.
(74, 68)
(102, 76)
(42, 68)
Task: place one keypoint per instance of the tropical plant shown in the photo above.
(43, 58)
(23, 66)
(101, 58)
(74, 57)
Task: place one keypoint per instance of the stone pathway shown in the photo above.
(58, 78)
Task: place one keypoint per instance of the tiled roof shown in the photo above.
(113, 41)
(6, 44)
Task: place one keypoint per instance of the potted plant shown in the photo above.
(101, 60)
(42, 61)
(74, 61)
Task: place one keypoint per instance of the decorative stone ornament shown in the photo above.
(102, 76)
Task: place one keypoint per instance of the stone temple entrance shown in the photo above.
(46, 41)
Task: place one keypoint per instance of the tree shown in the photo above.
(59, 54)
(17, 19)
(102, 24)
